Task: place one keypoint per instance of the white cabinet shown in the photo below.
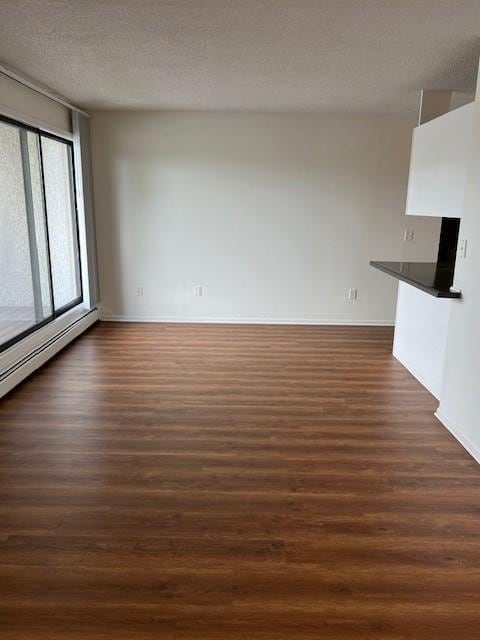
(438, 165)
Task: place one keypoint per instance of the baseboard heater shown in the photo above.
(11, 377)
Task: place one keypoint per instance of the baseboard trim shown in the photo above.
(44, 352)
(243, 320)
(472, 449)
(415, 374)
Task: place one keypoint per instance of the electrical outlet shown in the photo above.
(462, 248)
(198, 291)
(408, 235)
(352, 294)
(139, 291)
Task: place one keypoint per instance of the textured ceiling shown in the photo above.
(261, 55)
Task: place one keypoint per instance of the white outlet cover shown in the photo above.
(352, 294)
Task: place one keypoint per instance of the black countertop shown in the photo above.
(432, 277)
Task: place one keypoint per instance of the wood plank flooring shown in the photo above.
(205, 482)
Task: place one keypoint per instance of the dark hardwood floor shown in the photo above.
(234, 482)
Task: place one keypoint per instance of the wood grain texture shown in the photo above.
(234, 482)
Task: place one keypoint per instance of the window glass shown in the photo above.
(61, 216)
(25, 298)
(38, 206)
(39, 253)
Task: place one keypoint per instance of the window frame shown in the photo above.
(56, 313)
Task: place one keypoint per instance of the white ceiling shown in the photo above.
(261, 55)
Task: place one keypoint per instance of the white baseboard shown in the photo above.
(472, 449)
(243, 320)
(415, 374)
(44, 352)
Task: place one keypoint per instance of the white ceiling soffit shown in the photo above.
(369, 56)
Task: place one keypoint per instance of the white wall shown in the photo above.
(460, 398)
(276, 216)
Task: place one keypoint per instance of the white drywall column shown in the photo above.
(421, 331)
(460, 398)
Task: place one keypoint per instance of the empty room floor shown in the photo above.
(233, 482)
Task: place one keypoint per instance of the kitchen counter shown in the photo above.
(434, 278)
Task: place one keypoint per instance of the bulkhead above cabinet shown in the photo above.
(438, 164)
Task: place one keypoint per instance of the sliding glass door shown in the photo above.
(39, 253)
(62, 222)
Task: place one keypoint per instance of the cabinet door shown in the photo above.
(438, 165)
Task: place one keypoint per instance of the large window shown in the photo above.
(39, 252)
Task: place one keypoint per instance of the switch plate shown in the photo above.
(352, 294)
(462, 248)
(198, 291)
(408, 235)
(140, 291)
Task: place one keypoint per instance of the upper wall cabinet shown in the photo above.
(438, 165)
